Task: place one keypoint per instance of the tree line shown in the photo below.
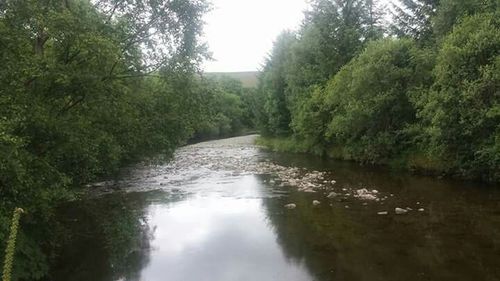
(419, 92)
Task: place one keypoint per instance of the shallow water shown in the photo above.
(216, 212)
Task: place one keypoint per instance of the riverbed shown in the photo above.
(227, 210)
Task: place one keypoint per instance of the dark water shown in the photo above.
(217, 213)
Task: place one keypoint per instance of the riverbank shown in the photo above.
(413, 162)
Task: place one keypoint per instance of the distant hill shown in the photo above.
(247, 78)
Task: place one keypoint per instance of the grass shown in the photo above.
(413, 161)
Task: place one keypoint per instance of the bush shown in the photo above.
(462, 110)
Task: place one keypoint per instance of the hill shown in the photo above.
(248, 78)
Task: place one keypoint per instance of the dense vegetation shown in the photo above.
(422, 92)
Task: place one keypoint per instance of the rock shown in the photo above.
(409, 209)
(316, 202)
(421, 210)
(333, 182)
(375, 191)
(347, 207)
(332, 194)
(344, 189)
(365, 204)
(400, 211)
(290, 206)
(364, 194)
(308, 190)
(383, 213)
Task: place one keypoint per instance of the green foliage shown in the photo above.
(369, 103)
(412, 18)
(273, 85)
(462, 109)
(450, 12)
(227, 108)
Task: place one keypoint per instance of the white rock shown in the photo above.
(290, 206)
(375, 191)
(383, 213)
(409, 209)
(332, 194)
(316, 202)
(347, 207)
(421, 210)
(400, 211)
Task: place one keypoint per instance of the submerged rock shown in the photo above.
(316, 202)
(400, 211)
(364, 194)
(332, 195)
(421, 210)
(383, 213)
(290, 206)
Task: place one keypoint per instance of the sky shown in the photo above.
(240, 33)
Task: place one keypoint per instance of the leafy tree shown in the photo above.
(451, 11)
(369, 103)
(413, 18)
(273, 85)
(462, 109)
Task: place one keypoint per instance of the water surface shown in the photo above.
(217, 213)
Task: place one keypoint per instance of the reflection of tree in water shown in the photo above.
(457, 238)
(108, 239)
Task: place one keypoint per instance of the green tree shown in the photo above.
(413, 18)
(462, 110)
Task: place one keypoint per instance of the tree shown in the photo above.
(462, 109)
(273, 85)
(413, 18)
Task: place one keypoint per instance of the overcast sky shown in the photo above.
(241, 32)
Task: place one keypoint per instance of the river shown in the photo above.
(216, 212)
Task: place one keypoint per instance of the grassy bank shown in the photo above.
(414, 161)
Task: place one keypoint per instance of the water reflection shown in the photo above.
(456, 238)
(206, 236)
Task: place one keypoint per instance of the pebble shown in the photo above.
(290, 206)
(421, 210)
(332, 194)
(383, 213)
(316, 202)
(400, 211)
